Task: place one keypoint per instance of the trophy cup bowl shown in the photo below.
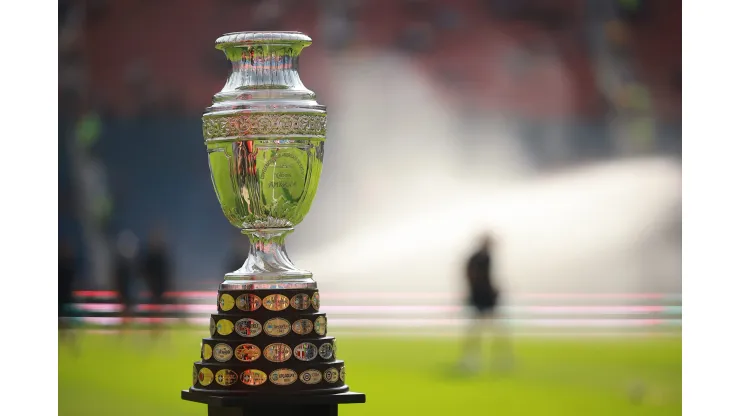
(265, 137)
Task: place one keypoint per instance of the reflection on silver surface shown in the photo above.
(267, 284)
(265, 139)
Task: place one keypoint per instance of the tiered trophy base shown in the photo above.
(268, 349)
(282, 404)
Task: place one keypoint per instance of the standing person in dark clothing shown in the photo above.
(484, 297)
(67, 275)
(156, 268)
(67, 272)
(124, 271)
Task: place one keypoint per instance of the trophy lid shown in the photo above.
(236, 39)
(264, 73)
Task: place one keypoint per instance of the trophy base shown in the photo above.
(262, 404)
(268, 342)
(196, 392)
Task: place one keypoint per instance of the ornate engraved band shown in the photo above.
(215, 377)
(263, 124)
(226, 325)
(276, 302)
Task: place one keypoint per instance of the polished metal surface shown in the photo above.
(275, 283)
(265, 137)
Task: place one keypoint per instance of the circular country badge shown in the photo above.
(320, 325)
(316, 301)
(222, 352)
(300, 302)
(326, 351)
(276, 302)
(226, 302)
(341, 374)
(310, 376)
(305, 351)
(277, 327)
(283, 377)
(224, 327)
(277, 353)
(248, 327)
(226, 377)
(212, 327)
(331, 375)
(253, 377)
(205, 376)
(247, 353)
(206, 351)
(248, 302)
(303, 326)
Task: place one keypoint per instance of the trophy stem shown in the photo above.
(268, 262)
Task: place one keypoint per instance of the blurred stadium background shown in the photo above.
(555, 124)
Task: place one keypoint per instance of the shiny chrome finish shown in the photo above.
(273, 284)
(265, 137)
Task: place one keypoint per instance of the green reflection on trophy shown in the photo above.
(265, 137)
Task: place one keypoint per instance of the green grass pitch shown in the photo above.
(135, 374)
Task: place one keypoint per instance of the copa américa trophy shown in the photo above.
(265, 135)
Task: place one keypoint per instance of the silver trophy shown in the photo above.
(265, 136)
(268, 346)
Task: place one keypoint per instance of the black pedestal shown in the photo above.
(274, 404)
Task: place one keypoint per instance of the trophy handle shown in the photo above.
(268, 263)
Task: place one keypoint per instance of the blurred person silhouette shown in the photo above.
(484, 296)
(127, 247)
(156, 269)
(67, 275)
